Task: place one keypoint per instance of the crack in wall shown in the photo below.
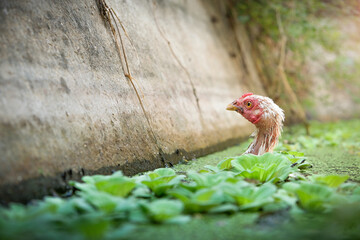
(178, 61)
(110, 16)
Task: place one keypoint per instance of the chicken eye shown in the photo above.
(248, 104)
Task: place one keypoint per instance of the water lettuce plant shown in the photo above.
(115, 184)
(298, 159)
(209, 179)
(250, 197)
(269, 167)
(200, 201)
(165, 210)
(161, 180)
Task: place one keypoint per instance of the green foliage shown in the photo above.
(302, 22)
(250, 197)
(330, 180)
(208, 180)
(344, 134)
(266, 168)
(112, 207)
(297, 158)
(200, 201)
(62, 219)
(116, 184)
(225, 164)
(314, 197)
(164, 210)
(161, 180)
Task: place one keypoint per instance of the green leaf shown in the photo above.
(107, 203)
(349, 188)
(164, 209)
(138, 215)
(163, 172)
(141, 191)
(250, 197)
(117, 187)
(285, 197)
(330, 180)
(210, 168)
(291, 187)
(293, 156)
(282, 200)
(208, 180)
(116, 184)
(200, 201)
(269, 167)
(15, 211)
(161, 184)
(314, 197)
(225, 164)
(297, 158)
(295, 153)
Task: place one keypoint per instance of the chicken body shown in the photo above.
(267, 117)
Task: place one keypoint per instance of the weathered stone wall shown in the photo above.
(66, 108)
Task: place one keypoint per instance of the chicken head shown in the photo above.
(265, 115)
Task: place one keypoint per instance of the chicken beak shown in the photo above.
(231, 107)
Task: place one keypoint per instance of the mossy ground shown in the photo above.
(331, 148)
(333, 160)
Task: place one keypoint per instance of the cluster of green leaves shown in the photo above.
(343, 134)
(109, 207)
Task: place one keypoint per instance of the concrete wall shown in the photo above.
(66, 108)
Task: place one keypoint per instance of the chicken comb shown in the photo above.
(246, 94)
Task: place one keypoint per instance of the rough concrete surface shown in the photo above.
(66, 108)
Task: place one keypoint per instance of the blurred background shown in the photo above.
(307, 55)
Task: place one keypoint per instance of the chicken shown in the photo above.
(267, 117)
